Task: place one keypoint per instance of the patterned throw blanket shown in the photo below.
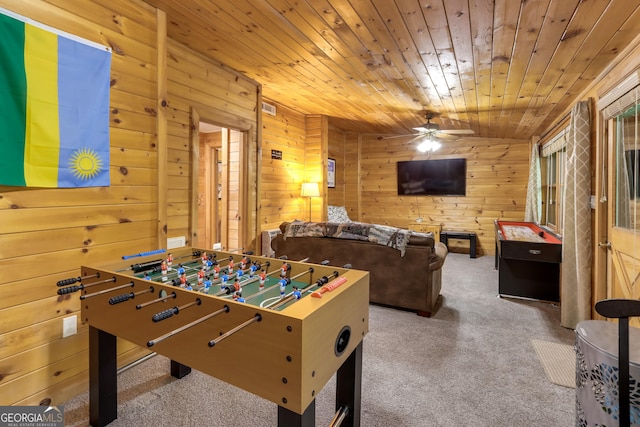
(393, 237)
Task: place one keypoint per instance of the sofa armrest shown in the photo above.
(439, 254)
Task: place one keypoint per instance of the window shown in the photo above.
(552, 164)
(627, 192)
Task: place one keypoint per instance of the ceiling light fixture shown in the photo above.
(428, 145)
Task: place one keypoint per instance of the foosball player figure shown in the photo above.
(237, 296)
(236, 285)
(183, 280)
(169, 261)
(263, 278)
(216, 271)
(146, 276)
(201, 276)
(205, 258)
(163, 268)
(209, 265)
(283, 287)
(230, 267)
(223, 281)
(296, 293)
(181, 270)
(252, 270)
(207, 283)
(244, 262)
(284, 269)
(239, 273)
(188, 286)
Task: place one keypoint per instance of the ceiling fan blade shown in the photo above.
(457, 131)
(416, 138)
(400, 136)
(446, 136)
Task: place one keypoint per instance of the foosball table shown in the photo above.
(304, 322)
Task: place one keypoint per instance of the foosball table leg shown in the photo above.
(288, 418)
(178, 370)
(103, 382)
(349, 387)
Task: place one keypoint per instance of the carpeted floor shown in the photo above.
(472, 364)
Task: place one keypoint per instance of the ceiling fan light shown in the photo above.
(428, 145)
(423, 147)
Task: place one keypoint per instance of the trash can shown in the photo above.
(597, 374)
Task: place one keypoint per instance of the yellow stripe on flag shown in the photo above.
(42, 143)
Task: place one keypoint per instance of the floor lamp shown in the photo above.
(310, 189)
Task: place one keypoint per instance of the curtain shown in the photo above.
(533, 207)
(576, 242)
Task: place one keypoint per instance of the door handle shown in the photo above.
(605, 245)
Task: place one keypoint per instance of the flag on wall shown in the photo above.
(54, 107)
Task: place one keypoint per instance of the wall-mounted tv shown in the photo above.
(438, 177)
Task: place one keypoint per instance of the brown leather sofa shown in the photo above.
(410, 282)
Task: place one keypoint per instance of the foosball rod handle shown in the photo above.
(70, 289)
(141, 254)
(330, 287)
(165, 314)
(126, 297)
(72, 280)
(175, 310)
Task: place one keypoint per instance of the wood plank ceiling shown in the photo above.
(504, 68)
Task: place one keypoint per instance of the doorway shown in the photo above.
(622, 130)
(221, 187)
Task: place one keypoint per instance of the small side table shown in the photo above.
(464, 235)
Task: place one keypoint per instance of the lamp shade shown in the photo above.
(310, 189)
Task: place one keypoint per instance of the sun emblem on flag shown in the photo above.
(85, 164)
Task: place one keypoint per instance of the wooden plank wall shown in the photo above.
(45, 234)
(337, 144)
(59, 230)
(315, 157)
(233, 193)
(281, 179)
(351, 168)
(497, 171)
(220, 96)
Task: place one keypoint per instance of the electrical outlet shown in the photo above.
(69, 326)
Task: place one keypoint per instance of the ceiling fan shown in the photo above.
(433, 129)
(429, 133)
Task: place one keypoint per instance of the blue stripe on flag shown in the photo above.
(83, 93)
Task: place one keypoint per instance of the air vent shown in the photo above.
(269, 109)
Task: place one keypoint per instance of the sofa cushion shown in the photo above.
(337, 214)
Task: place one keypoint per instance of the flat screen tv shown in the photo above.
(438, 177)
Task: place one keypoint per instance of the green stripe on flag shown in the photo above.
(13, 93)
